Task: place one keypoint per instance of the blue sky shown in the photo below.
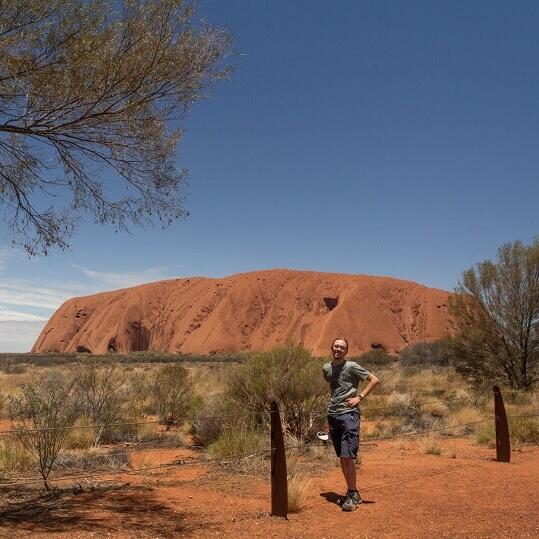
(385, 138)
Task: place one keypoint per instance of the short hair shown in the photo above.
(340, 339)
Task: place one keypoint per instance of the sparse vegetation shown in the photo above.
(43, 413)
(290, 376)
(14, 457)
(228, 415)
(238, 441)
(103, 397)
(521, 430)
(172, 394)
(496, 313)
(428, 354)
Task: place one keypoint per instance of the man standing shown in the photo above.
(344, 415)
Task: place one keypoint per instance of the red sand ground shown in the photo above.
(407, 494)
(250, 311)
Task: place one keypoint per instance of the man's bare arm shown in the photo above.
(373, 381)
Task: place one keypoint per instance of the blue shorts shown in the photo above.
(344, 433)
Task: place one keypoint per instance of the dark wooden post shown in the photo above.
(503, 444)
(279, 482)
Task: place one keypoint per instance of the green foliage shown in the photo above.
(496, 314)
(375, 359)
(290, 376)
(217, 415)
(234, 442)
(172, 394)
(428, 354)
(43, 412)
(13, 363)
(92, 85)
(104, 398)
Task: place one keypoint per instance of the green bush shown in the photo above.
(43, 412)
(236, 442)
(214, 417)
(428, 354)
(104, 397)
(375, 359)
(172, 394)
(290, 376)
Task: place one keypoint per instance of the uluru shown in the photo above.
(250, 312)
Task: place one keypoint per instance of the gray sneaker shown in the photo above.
(353, 499)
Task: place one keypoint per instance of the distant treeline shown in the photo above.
(16, 362)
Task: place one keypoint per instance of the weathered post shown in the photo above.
(279, 483)
(503, 444)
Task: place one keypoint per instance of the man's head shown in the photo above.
(339, 348)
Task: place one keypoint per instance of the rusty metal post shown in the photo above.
(503, 444)
(279, 482)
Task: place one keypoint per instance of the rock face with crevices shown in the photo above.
(250, 311)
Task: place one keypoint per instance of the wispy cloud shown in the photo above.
(26, 304)
(18, 316)
(126, 279)
(27, 293)
(19, 336)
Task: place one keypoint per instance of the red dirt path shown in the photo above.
(407, 494)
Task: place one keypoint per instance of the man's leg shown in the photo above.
(349, 471)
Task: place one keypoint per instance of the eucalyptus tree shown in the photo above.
(91, 96)
(496, 313)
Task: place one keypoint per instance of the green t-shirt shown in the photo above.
(343, 380)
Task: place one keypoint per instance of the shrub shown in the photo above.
(289, 375)
(92, 461)
(234, 442)
(428, 354)
(43, 413)
(103, 395)
(14, 457)
(216, 416)
(374, 359)
(172, 394)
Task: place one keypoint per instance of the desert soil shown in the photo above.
(407, 494)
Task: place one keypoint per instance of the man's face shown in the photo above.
(339, 349)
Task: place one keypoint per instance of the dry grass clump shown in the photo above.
(92, 460)
(236, 442)
(521, 430)
(430, 446)
(462, 416)
(429, 382)
(298, 483)
(83, 437)
(437, 410)
(14, 457)
(524, 429)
